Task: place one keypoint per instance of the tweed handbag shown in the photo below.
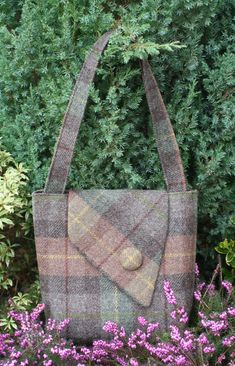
(104, 254)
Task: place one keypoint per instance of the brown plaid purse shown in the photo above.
(104, 254)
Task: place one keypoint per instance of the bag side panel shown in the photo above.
(50, 228)
(178, 263)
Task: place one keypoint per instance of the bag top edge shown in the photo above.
(41, 192)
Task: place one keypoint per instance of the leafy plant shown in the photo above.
(20, 302)
(7, 253)
(14, 206)
(227, 248)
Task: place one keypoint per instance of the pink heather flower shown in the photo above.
(47, 363)
(232, 355)
(175, 333)
(64, 353)
(196, 270)
(24, 343)
(197, 295)
(151, 328)
(51, 324)
(186, 344)
(215, 326)
(229, 341)
(223, 315)
(201, 315)
(142, 321)
(63, 324)
(15, 354)
(180, 360)
(221, 358)
(202, 339)
(47, 340)
(132, 341)
(169, 293)
(209, 349)
(201, 286)
(115, 345)
(150, 348)
(122, 332)
(110, 327)
(121, 361)
(134, 362)
(37, 311)
(24, 363)
(98, 354)
(86, 351)
(173, 314)
(12, 363)
(17, 333)
(180, 314)
(100, 343)
(231, 363)
(227, 286)
(231, 311)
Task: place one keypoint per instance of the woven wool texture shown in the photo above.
(77, 286)
(81, 235)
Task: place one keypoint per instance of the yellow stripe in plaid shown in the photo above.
(105, 245)
(150, 205)
(143, 292)
(78, 256)
(135, 288)
(84, 210)
(59, 256)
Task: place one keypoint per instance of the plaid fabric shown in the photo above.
(83, 281)
(103, 223)
(63, 154)
(104, 254)
(166, 142)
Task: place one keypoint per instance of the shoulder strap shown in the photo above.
(167, 146)
(166, 142)
(59, 169)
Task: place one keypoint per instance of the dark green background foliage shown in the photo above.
(43, 45)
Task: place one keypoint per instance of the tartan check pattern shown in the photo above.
(74, 285)
(63, 154)
(81, 235)
(102, 223)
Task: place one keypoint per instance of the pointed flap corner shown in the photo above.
(122, 233)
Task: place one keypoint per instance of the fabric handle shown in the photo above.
(165, 138)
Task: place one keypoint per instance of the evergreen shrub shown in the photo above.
(43, 45)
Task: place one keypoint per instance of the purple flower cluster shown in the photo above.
(210, 342)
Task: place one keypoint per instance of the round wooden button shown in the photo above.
(131, 258)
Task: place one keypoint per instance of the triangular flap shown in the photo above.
(122, 233)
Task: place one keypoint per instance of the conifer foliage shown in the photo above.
(43, 45)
